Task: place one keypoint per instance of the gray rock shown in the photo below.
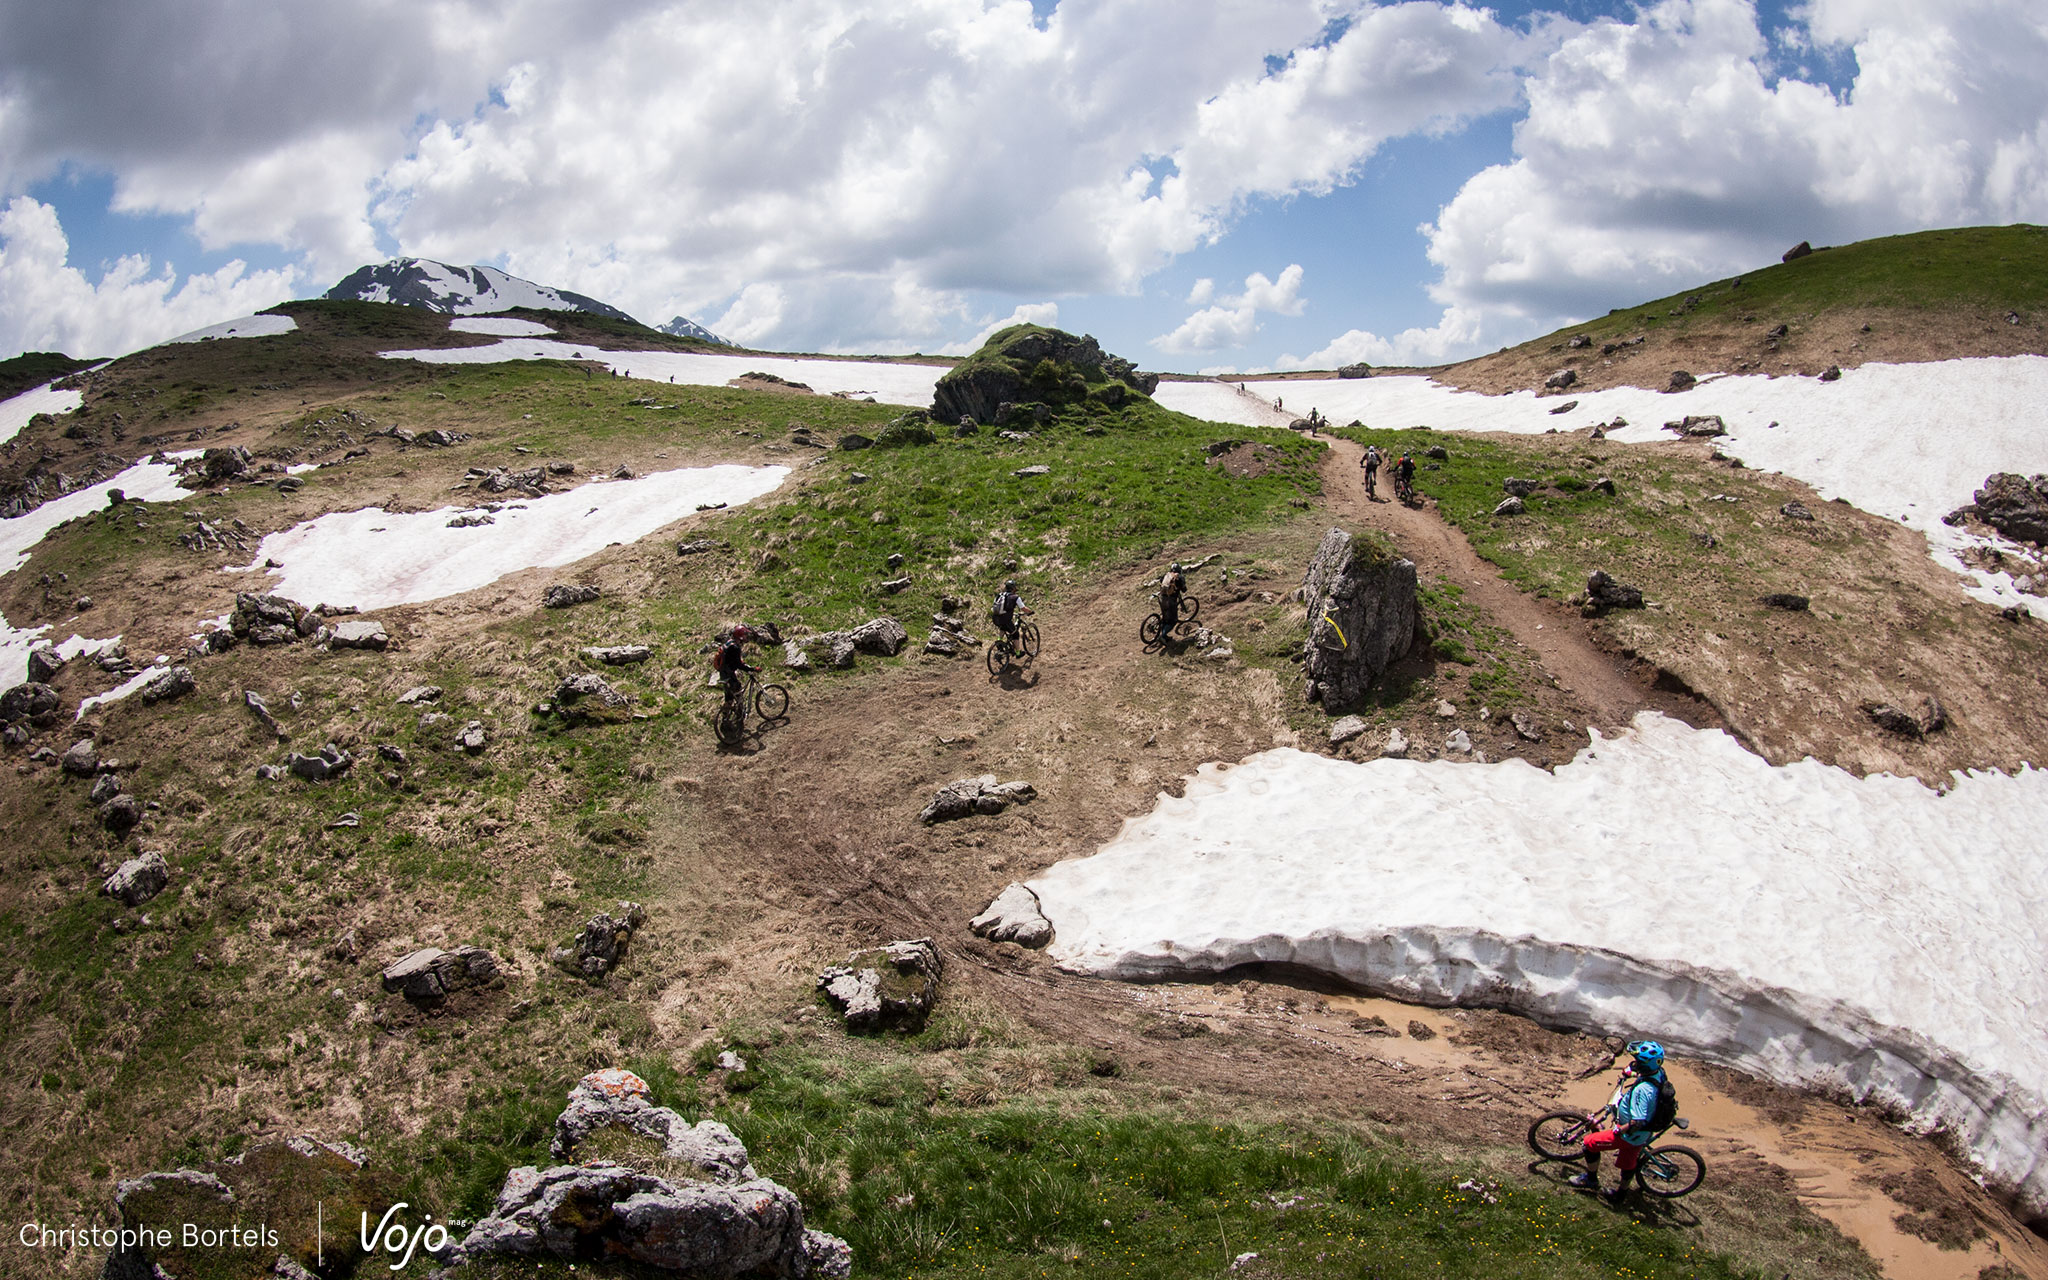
(104, 788)
(1896, 720)
(44, 663)
(1833, 373)
(1026, 473)
(1795, 511)
(1459, 743)
(966, 796)
(2016, 506)
(1014, 917)
(618, 655)
(589, 684)
(1604, 485)
(432, 720)
(1562, 380)
(330, 763)
(884, 637)
(564, 594)
(839, 648)
(1525, 726)
(266, 619)
(1787, 601)
(1680, 381)
(601, 944)
(261, 710)
(1345, 730)
(33, 701)
(941, 642)
(83, 759)
(1397, 745)
(895, 585)
(359, 634)
(121, 813)
(1604, 593)
(1520, 488)
(473, 737)
(888, 986)
(615, 1098)
(1699, 426)
(138, 880)
(419, 693)
(1363, 617)
(698, 546)
(430, 975)
(793, 656)
(1510, 506)
(175, 683)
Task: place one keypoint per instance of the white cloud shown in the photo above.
(50, 305)
(1203, 290)
(1043, 313)
(1236, 319)
(1457, 335)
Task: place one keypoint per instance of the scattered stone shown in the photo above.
(44, 662)
(138, 880)
(1604, 593)
(1397, 745)
(346, 821)
(563, 594)
(104, 788)
(894, 585)
(472, 520)
(1932, 718)
(1604, 485)
(1562, 380)
(82, 603)
(1833, 373)
(730, 1061)
(883, 637)
(33, 701)
(1459, 743)
(331, 762)
(1566, 407)
(2016, 506)
(966, 796)
(618, 655)
(175, 683)
(393, 752)
(419, 693)
(1345, 730)
(857, 477)
(617, 1099)
(1420, 1030)
(600, 946)
(1680, 381)
(1014, 917)
(1444, 709)
(794, 657)
(1795, 510)
(854, 440)
(1785, 600)
(1437, 452)
(698, 546)
(473, 737)
(1525, 726)
(261, 710)
(83, 759)
(1799, 250)
(1373, 1025)
(359, 634)
(1026, 473)
(430, 975)
(1520, 488)
(1510, 506)
(1357, 370)
(888, 986)
(1700, 426)
(121, 813)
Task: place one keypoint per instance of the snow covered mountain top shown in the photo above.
(684, 327)
(436, 286)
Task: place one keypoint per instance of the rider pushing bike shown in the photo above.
(1171, 588)
(1643, 1107)
(730, 659)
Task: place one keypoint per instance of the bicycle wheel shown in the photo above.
(998, 657)
(1148, 630)
(771, 701)
(731, 722)
(1558, 1136)
(1670, 1172)
(1190, 608)
(1029, 634)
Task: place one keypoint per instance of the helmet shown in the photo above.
(1010, 585)
(742, 632)
(1648, 1053)
(1176, 567)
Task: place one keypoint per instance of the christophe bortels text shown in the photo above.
(38, 1235)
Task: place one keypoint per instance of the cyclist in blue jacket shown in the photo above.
(1643, 1086)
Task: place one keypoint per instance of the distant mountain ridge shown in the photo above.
(684, 327)
(466, 291)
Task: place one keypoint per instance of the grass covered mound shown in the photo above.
(34, 368)
(1038, 369)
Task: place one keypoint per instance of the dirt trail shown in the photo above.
(1604, 684)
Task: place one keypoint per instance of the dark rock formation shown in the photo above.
(967, 796)
(1604, 593)
(1362, 616)
(1029, 364)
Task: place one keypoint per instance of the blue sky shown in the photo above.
(1264, 184)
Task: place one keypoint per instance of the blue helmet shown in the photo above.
(1648, 1053)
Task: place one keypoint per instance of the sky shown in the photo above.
(1229, 186)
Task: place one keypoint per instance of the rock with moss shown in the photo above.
(616, 1099)
(892, 986)
(1031, 364)
(1362, 616)
(601, 945)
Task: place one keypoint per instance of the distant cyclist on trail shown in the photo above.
(1371, 463)
(731, 659)
(1404, 477)
(1003, 613)
(1644, 1106)
(1171, 588)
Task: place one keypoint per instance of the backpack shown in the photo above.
(718, 659)
(1666, 1109)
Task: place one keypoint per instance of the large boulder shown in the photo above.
(430, 975)
(615, 1098)
(965, 796)
(2016, 506)
(174, 683)
(266, 619)
(600, 946)
(1027, 363)
(884, 637)
(138, 880)
(32, 701)
(1362, 616)
(1014, 917)
(359, 633)
(888, 986)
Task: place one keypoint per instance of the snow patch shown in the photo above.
(145, 481)
(908, 384)
(119, 691)
(499, 326)
(16, 643)
(1863, 936)
(246, 327)
(17, 410)
(374, 559)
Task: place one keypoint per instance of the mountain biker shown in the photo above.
(1404, 476)
(1371, 463)
(1171, 588)
(1004, 612)
(731, 659)
(1636, 1104)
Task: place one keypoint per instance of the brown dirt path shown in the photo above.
(1611, 689)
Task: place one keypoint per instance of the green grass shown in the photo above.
(34, 368)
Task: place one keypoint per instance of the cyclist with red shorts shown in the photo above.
(1643, 1106)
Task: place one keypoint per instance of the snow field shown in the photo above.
(499, 326)
(15, 644)
(1864, 936)
(246, 327)
(373, 559)
(145, 481)
(17, 410)
(906, 384)
(1910, 442)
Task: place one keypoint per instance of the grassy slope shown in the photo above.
(140, 1046)
(33, 369)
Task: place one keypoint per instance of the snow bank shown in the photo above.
(15, 644)
(1910, 442)
(147, 481)
(246, 327)
(1864, 936)
(373, 558)
(910, 384)
(501, 326)
(17, 410)
(119, 691)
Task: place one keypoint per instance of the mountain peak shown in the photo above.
(684, 327)
(436, 286)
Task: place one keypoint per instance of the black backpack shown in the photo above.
(1666, 1110)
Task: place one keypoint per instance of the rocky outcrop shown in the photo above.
(1701, 426)
(1796, 252)
(174, 683)
(1362, 617)
(1604, 593)
(1681, 380)
(618, 655)
(2016, 506)
(564, 594)
(967, 796)
(600, 946)
(577, 686)
(138, 880)
(889, 986)
(1520, 488)
(1029, 365)
(331, 762)
(430, 975)
(1014, 917)
(33, 701)
(365, 633)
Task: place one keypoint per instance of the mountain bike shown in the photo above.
(1152, 630)
(769, 701)
(1002, 654)
(1669, 1172)
(1404, 490)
